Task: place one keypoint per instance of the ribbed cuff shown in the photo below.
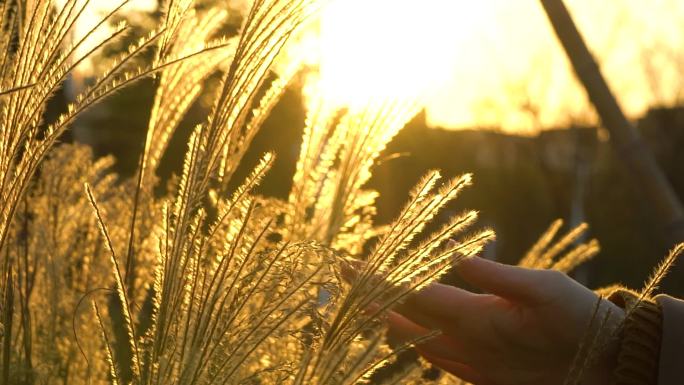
(637, 362)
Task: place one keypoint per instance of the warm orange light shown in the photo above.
(93, 13)
(488, 63)
(384, 48)
(496, 63)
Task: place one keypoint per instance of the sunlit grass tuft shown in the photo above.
(208, 283)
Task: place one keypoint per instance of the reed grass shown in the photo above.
(207, 284)
(113, 284)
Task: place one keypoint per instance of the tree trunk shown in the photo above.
(639, 163)
(627, 143)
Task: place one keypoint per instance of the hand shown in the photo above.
(526, 331)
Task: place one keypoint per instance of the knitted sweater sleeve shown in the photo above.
(671, 363)
(640, 345)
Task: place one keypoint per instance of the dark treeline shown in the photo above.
(521, 183)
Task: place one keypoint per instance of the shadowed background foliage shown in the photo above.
(521, 184)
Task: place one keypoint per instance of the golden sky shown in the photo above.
(490, 63)
(496, 63)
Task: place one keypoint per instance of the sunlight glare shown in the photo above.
(384, 48)
(93, 13)
(497, 63)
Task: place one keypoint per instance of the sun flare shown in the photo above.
(493, 63)
(384, 48)
(496, 63)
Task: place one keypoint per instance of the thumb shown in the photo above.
(507, 281)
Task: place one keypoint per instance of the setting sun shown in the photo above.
(292, 192)
(489, 64)
(497, 63)
(385, 48)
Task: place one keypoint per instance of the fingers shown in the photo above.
(442, 351)
(441, 306)
(439, 298)
(404, 330)
(510, 282)
(462, 371)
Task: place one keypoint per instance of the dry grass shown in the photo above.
(206, 285)
(111, 284)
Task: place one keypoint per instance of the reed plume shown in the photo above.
(207, 283)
